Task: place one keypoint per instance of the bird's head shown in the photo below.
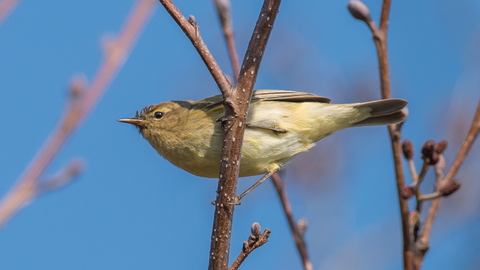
(158, 119)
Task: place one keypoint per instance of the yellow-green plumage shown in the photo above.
(189, 136)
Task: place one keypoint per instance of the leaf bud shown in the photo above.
(441, 146)
(407, 148)
(407, 192)
(429, 152)
(256, 229)
(359, 11)
(450, 188)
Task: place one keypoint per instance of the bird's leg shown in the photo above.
(276, 130)
(237, 199)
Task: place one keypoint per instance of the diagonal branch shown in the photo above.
(114, 58)
(6, 7)
(192, 31)
(422, 244)
(466, 145)
(27, 191)
(255, 240)
(224, 12)
(62, 178)
(297, 235)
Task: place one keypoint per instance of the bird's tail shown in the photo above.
(383, 112)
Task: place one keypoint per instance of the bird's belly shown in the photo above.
(262, 151)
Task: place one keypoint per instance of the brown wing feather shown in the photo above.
(267, 95)
(287, 96)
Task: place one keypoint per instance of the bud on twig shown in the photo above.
(302, 226)
(407, 148)
(429, 152)
(407, 192)
(256, 229)
(192, 21)
(359, 11)
(450, 188)
(223, 9)
(441, 146)
(77, 85)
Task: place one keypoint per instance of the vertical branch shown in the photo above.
(360, 11)
(224, 12)
(380, 38)
(115, 56)
(236, 108)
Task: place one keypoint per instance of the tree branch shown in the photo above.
(297, 234)
(360, 11)
(192, 31)
(255, 240)
(6, 7)
(422, 244)
(63, 177)
(223, 8)
(225, 15)
(380, 38)
(236, 108)
(116, 53)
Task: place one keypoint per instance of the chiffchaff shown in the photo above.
(280, 125)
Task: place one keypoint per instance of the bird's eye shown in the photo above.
(158, 115)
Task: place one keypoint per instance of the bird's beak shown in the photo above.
(134, 121)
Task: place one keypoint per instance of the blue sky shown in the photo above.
(131, 209)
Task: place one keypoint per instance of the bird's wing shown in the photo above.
(266, 95)
(287, 96)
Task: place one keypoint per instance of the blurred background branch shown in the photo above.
(6, 7)
(225, 15)
(80, 104)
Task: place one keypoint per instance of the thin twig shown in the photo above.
(466, 145)
(297, 235)
(422, 244)
(380, 38)
(62, 178)
(6, 7)
(422, 174)
(255, 240)
(418, 190)
(225, 15)
(413, 171)
(360, 11)
(116, 54)
(192, 31)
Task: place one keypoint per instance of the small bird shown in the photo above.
(280, 125)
